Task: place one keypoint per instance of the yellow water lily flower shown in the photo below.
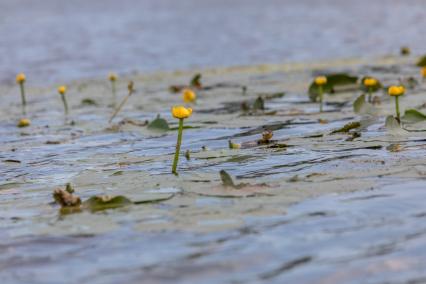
(181, 112)
(62, 90)
(423, 72)
(189, 96)
(112, 77)
(396, 91)
(321, 80)
(20, 78)
(24, 122)
(370, 82)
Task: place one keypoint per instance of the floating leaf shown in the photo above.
(88, 102)
(333, 80)
(274, 95)
(422, 61)
(233, 145)
(97, 203)
(405, 50)
(154, 198)
(347, 127)
(176, 88)
(362, 107)
(413, 116)
(226, 179)
(393, 127)
(196, 81)
(159, 124)
(259, 104)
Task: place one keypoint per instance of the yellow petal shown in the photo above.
(321, 80)
(181, 112)
(189, 96)
(396, 90)
(20, 78)
(62, 90)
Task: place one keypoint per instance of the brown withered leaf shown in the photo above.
(65, 198)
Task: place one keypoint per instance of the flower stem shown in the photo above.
(64, 100)
(397, 108)
(120, 106)
(24, 101)
(369, 95)
(178, 143)
(321, 93)
(114, 93)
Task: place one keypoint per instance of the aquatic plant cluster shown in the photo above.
(320, 86)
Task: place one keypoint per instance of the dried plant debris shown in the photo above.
(65, 198)
(266, 137)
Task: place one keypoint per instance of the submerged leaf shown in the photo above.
(159, 124)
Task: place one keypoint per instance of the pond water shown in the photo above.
(313, 207)
(63, 40)
(320, 208)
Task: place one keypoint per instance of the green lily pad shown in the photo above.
(259, 104)
(196, 81)
(422, 61)
(97, 203)
(226, 179)
(393, 127)
(347, 127)
(88, 102)
(362, 107)
(159, 124)
(333, 80)
(413, 116)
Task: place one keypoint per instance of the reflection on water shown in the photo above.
(61, 40)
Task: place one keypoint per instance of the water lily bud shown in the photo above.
(396, 91)
(423, 72)
(20, 78)
(189, 96)
(181, 112)
(370, 82)
(112, 77)
(62, 90)
(321, 80)
(24, 122)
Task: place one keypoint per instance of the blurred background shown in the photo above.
(53, 40)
